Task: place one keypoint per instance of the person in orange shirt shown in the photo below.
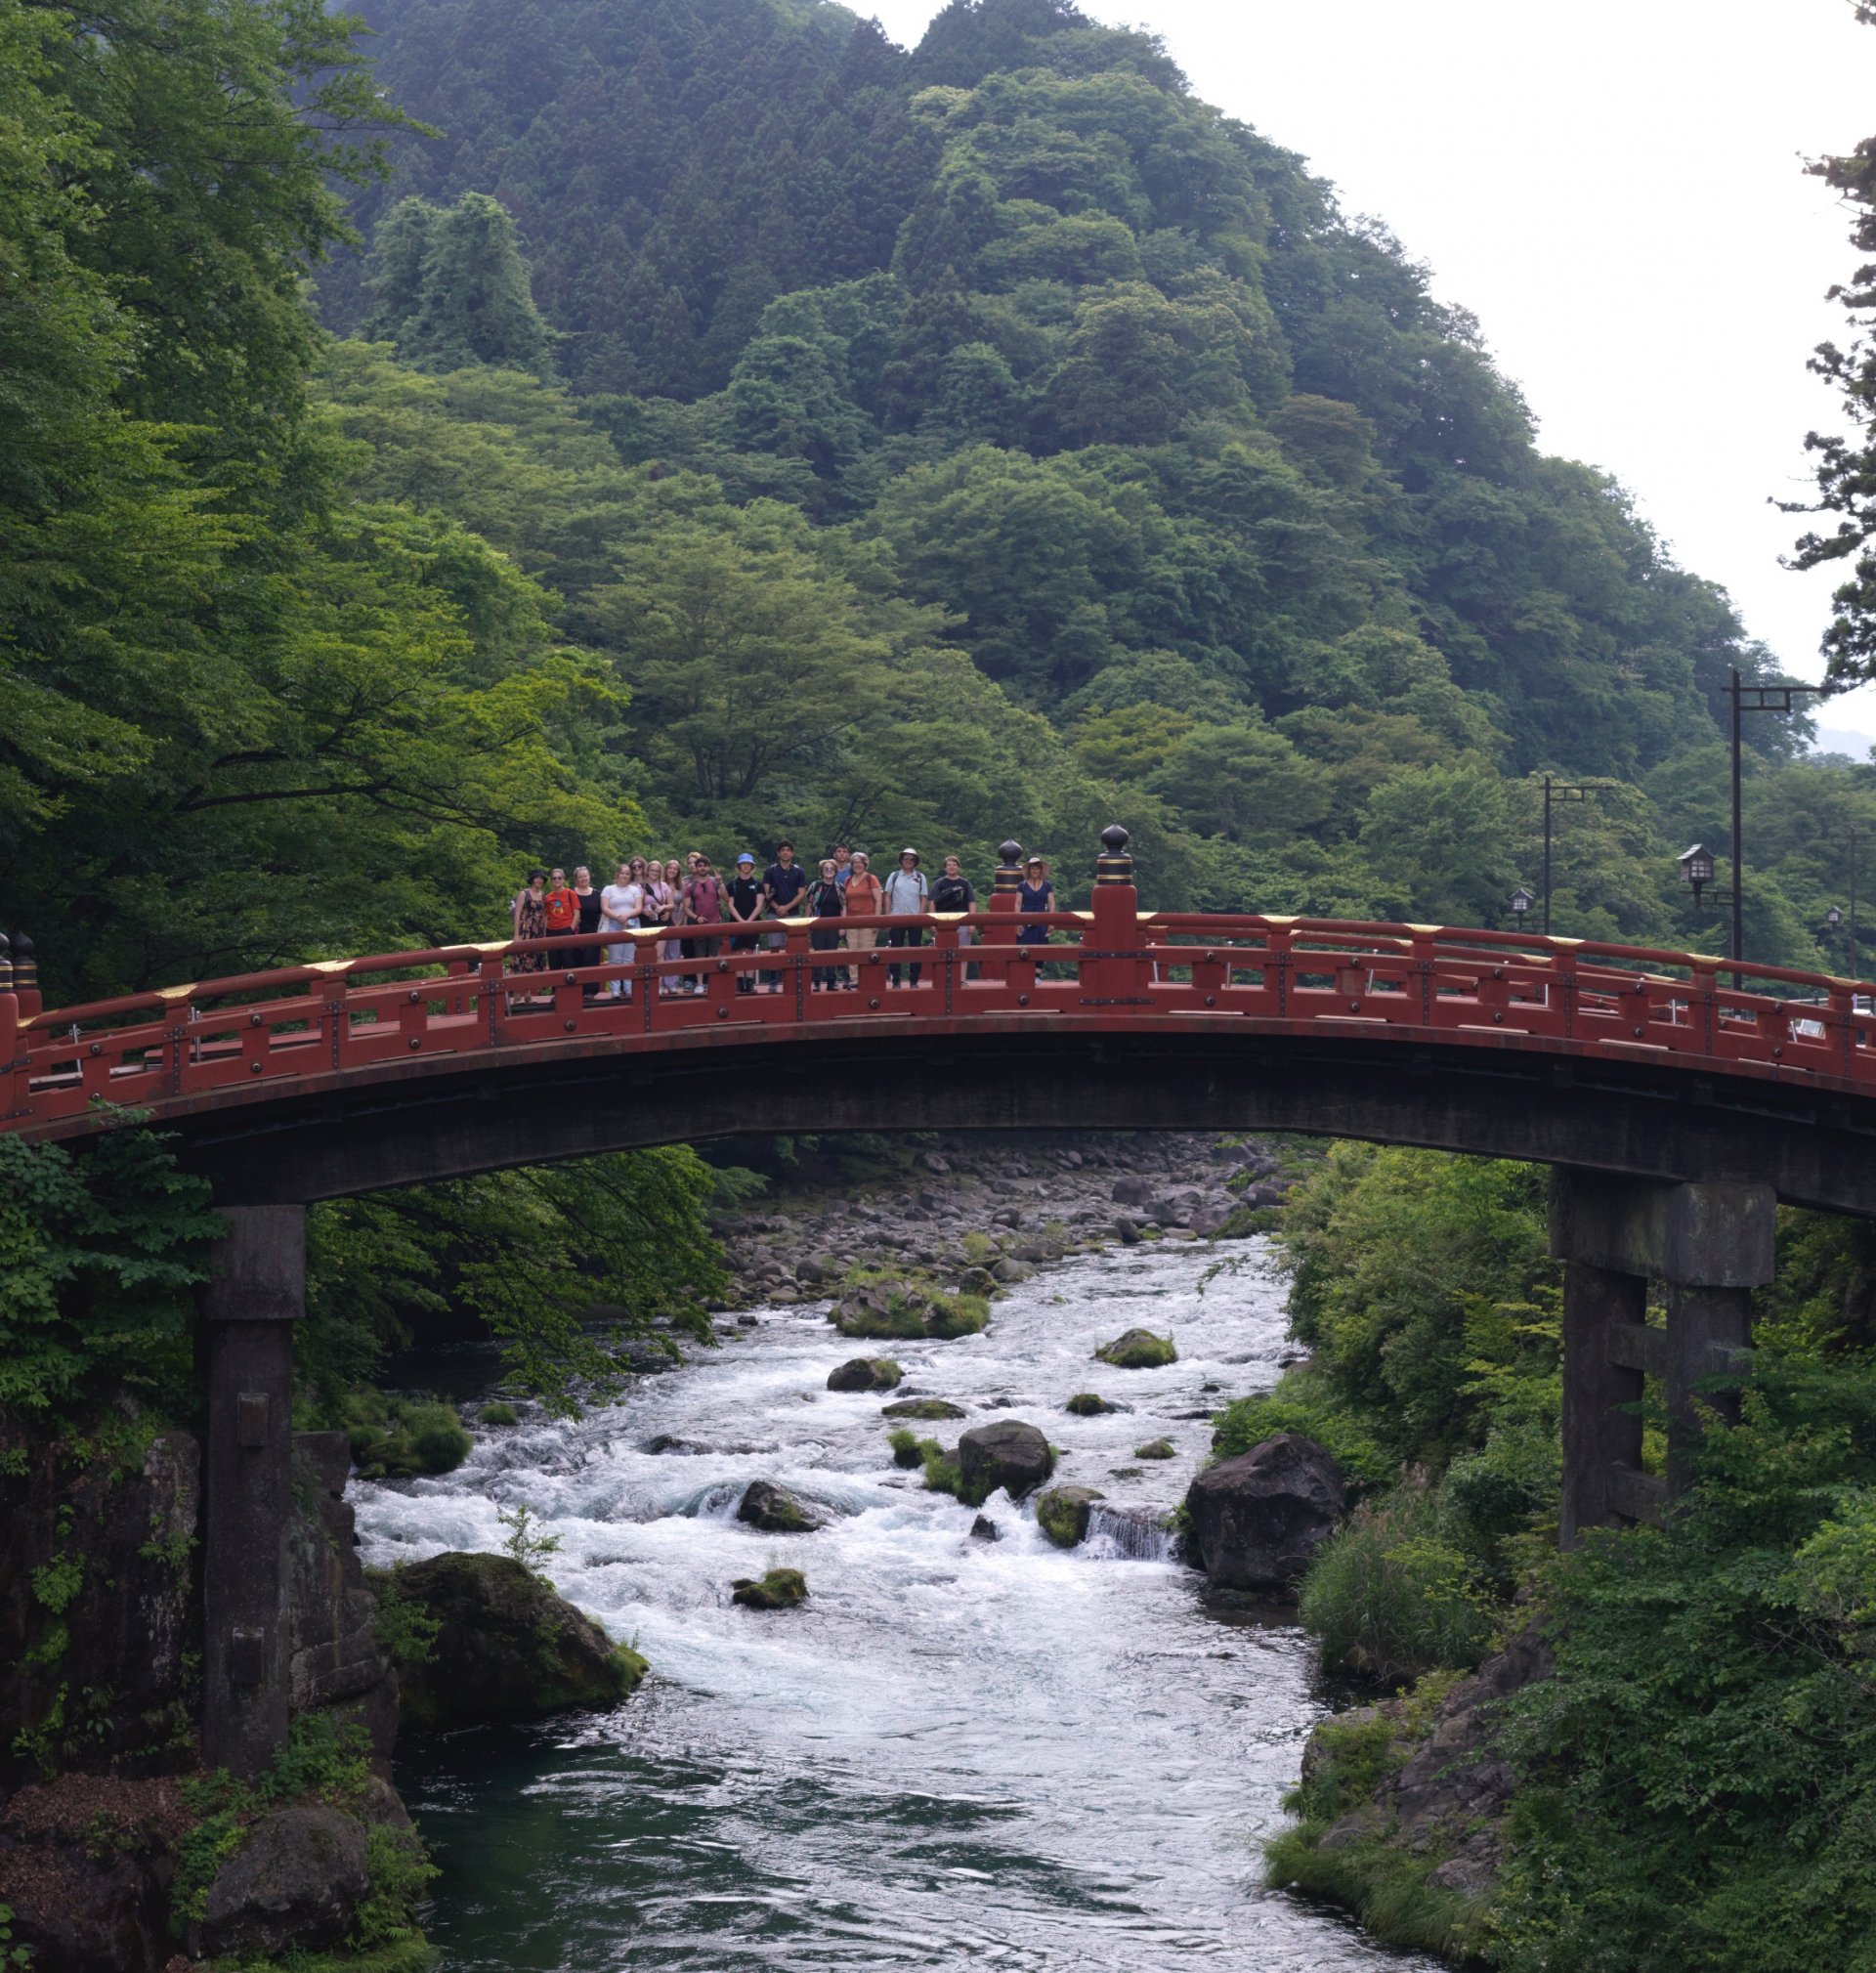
(865, 898)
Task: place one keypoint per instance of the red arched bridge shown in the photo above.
(1675, 1096)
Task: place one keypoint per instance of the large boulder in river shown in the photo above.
(1008, 1455)
(865, 1373)
(1062, 1513)
(506, 1646)
(1259, 1520)
(776, 1510)
(295, 1883)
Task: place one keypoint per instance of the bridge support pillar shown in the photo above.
(256, 1293)
(1710, 1245)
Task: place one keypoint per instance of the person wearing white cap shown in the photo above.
(905, 897)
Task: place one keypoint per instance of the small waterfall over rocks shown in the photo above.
(1133, 1534)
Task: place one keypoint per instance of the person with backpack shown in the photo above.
(905, 897)
(826, 900)
(700, 905)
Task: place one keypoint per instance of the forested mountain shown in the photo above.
(742, 425)
(1014, 348)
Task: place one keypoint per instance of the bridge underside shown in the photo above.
(1636, 1120)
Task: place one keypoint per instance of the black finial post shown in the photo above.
(1009, 867)
(1113, 865)
(6, 963)
(26, 973)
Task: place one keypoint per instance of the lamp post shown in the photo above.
(1696, 869)
(1520, 902)
(1753, 699)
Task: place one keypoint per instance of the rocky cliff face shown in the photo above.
(99, 1616)
(99, 1638)
(336, 1663)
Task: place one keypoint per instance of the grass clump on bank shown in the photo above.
(499, 1413)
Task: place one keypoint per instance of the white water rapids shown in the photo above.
(955, 1752)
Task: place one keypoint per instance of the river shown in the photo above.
(955, 1751)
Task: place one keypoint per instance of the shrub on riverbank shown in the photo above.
(1393, 1595)
(1304, 1402)
(394, 1438)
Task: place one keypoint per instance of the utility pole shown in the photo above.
(1757, 699)
(1561, 791)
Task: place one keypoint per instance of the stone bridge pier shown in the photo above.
(1709, 1246)
(256, 1293)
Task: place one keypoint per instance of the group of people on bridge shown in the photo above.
(704, 910)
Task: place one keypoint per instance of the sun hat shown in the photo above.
(745, 857)
(910, 852)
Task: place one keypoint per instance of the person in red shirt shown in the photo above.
(562, 908)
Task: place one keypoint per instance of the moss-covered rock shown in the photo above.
(506, 1645)
(1062, 1513)
(778, 1589)
(905, 1446)
(497, 1413)
(923, 1407)
(1085, 1404)
(1139, 1350)
(904, 1308)
(394, 1438)
(776, 1510)
(865, 1373)
(1156, 1448)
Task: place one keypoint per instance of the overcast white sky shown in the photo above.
(1616, 189)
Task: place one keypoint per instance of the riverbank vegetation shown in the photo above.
(1697, 1770)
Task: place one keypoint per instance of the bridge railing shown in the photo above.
(392, 1014)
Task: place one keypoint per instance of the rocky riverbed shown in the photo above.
(983, 1213)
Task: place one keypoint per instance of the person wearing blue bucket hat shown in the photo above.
(747, 903)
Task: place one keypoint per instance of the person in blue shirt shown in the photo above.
(1034, 894)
